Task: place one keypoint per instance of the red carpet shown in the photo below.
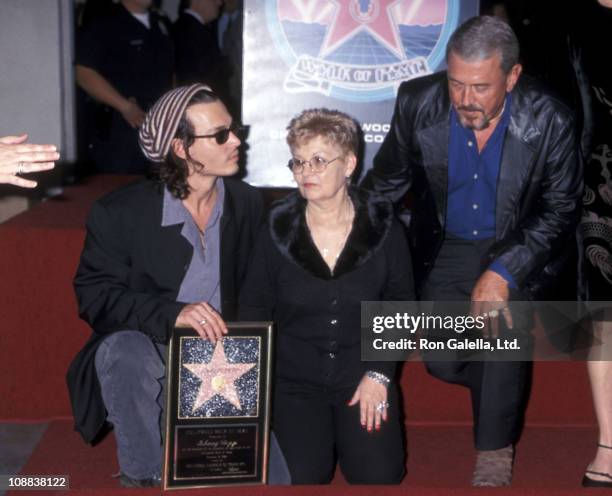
(41, 333)
(550, 460)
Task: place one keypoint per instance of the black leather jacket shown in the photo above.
(539, 188)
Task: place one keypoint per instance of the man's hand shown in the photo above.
(204, 319)
(98, 87)
(490, 297)
(132, 113)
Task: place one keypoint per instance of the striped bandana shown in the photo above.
(162, 120)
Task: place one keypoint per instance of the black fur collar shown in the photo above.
(373, 218)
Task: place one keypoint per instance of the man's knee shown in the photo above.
(129, 354)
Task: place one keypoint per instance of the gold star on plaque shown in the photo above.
(218, 377)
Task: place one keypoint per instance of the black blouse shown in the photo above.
(317, 313)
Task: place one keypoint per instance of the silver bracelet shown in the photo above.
(378, 377)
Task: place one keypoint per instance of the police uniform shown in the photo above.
(138, 62)
(198, 57)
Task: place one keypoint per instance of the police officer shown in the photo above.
(197, 53)
(124, 61)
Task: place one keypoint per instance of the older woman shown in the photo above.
(329, 247)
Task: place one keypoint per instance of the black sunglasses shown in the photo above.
(222, 135)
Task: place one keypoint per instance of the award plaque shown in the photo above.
(217, 409)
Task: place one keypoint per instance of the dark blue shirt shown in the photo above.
(472, 182)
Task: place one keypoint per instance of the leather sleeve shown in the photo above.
(391, 174)
(551, 222)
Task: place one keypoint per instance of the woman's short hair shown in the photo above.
(332, 125)
(174, 170)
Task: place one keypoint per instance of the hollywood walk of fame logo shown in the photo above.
(217, 386)
(359, 50)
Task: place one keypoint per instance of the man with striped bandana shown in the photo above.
(160, 254)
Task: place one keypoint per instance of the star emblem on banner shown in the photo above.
(218, 377)
(349, 19)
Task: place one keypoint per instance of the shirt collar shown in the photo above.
(218, 208)
(231, 16)
(144, 19)
(174, 212)
(194, 14)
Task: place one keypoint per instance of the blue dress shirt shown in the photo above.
(472, 182)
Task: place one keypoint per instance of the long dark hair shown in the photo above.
(174, 170)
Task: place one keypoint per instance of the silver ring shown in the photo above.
(493, 314)
(381, 406)
(203, 322)
(19, 168)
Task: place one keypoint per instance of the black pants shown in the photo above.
(316, 427)
(498, 389)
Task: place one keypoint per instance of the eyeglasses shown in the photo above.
(222, 135)
(316, 164)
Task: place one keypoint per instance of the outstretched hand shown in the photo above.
(18, 157)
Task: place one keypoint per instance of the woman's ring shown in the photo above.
(203, 322)
(382, 405)
(19, 168)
